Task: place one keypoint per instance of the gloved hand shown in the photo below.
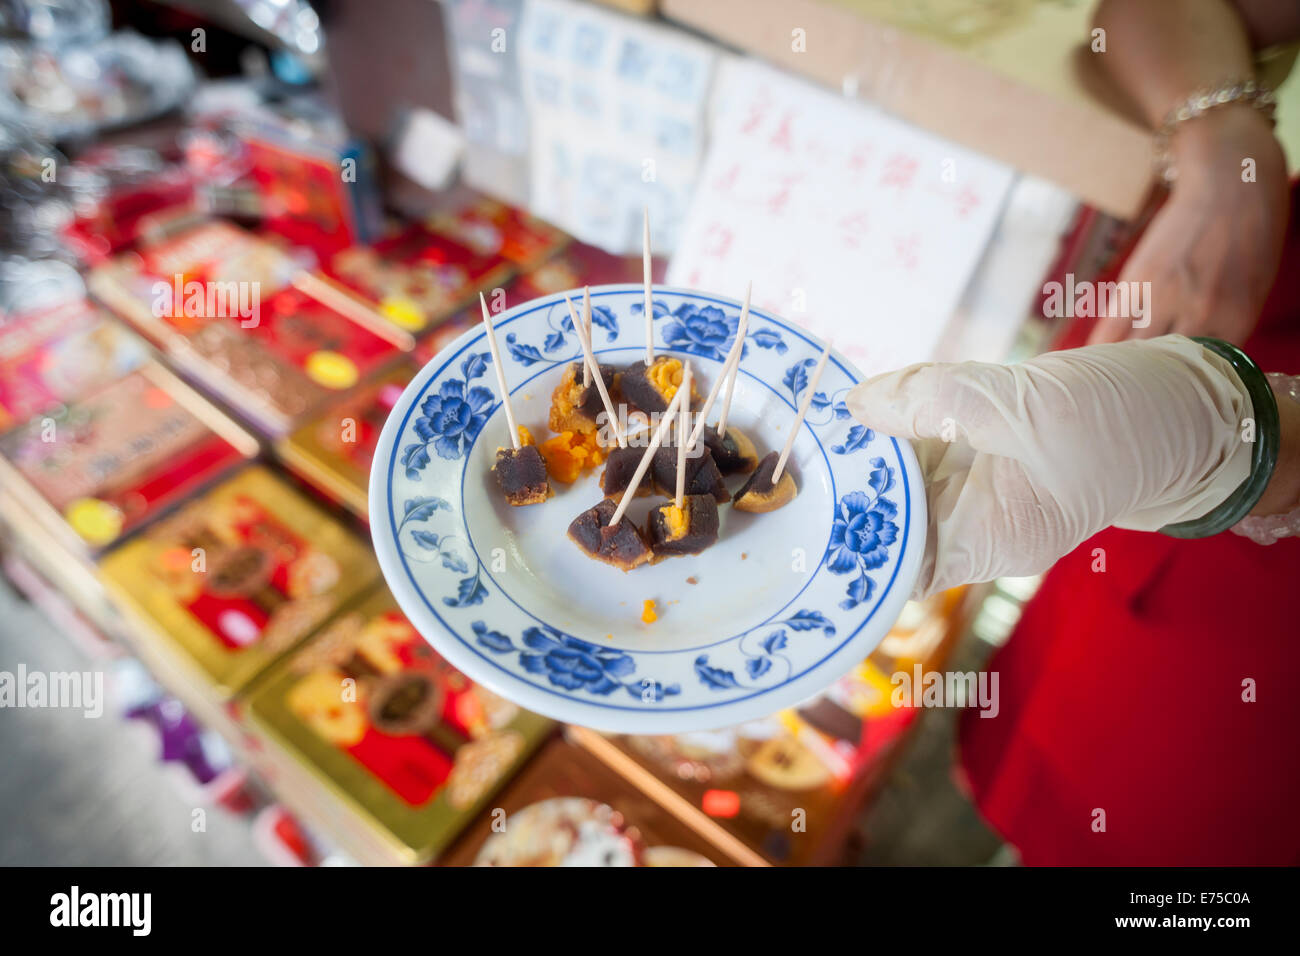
(1024, 462)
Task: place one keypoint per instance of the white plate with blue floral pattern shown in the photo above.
(781, 606)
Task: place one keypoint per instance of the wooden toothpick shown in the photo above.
(683, 419)
(741, 331)
(655, 442)
(732, 357)
(803, 411)
(649, 300)
(501, 373)
(589, 361)
(586, 321)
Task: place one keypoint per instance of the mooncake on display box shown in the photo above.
(370, 718)
(334, 450)
(492, 228)
(416, 279)
(96, 469)
(567, 808)
(54, 355)
(237, 578)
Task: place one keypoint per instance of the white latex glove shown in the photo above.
(1024, 462)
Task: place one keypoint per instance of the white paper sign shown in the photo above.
(855, 224)
(617, 111)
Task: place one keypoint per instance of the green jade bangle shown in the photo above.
(1263, 458)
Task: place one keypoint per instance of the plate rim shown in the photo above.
(568, 707)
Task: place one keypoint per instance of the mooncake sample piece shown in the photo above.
(521, 473)
(622, 546)
(650, 388)
(620, 466)
(758, 494)
(576, 407)
(734, 454)
(685, 530)
(702, 474)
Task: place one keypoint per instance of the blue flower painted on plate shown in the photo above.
(573, 664)
(450, 418)
(701, 330)
(862, 532)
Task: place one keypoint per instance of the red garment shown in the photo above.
(1123, 690)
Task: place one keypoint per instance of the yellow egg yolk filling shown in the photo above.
(666, 376)
(675, 518)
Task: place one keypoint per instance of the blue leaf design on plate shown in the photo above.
(714, 678)
(810, 620)
(523, 354)
(758, 666)
(657, 310)
(881, 477)
(454, 562)
(426, 540)
(859, 436)
(819, 401)
(769, 339)
(475, 364)
(859, 590)
(796, 377)
(469, 591)
(421, 509)
(602, 317)
(414, 458)
(774, 641)
(554, 341)
(492, 640)
(842, 411)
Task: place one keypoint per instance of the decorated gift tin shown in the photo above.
(238, 577)
(58, 353)
(416, 278)
(492, 228)
(334, 450)
(380, 723)
(95, 469)
(240, 318)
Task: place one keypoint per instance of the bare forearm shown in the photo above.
(1159, 51)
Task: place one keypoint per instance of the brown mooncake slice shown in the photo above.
(759, 495)
(702, 474)
(575, 407)
(734, 454)
(649, 388)
(622, 546)
(620, 465)
(521, 473)
(685, 530)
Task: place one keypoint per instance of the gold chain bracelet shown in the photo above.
(1201, 102)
